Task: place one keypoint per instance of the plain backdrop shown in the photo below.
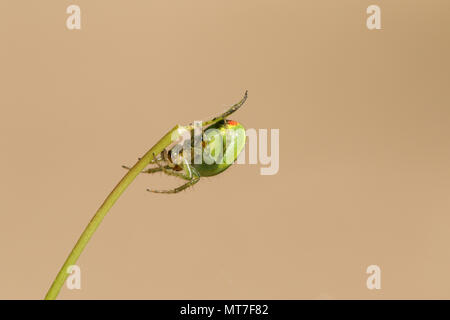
(364, 124)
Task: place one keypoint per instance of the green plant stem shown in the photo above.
(103, 210)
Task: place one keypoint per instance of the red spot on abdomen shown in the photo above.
(232, 122)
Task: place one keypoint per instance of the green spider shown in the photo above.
(223, 141)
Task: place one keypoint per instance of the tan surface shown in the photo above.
(365, 157)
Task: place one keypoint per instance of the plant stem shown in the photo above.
(103, 210)
(165, 141)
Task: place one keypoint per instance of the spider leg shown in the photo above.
(151, 170)
(170, 172)
(191, 175)
(231, 110)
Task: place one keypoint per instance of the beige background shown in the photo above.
(364, 148)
